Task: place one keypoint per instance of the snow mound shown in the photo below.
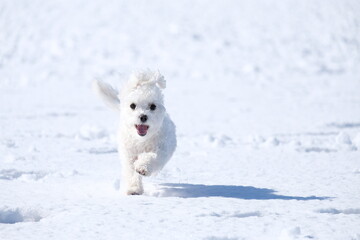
(17, 215)
(219, 238)
(338, 211)
(91, 132)
(235, 214)
(290, 234)
(12, 174)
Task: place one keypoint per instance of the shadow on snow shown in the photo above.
(226, 191)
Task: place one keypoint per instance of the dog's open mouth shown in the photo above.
(142, 129)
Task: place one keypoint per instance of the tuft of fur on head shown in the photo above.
(143, 79)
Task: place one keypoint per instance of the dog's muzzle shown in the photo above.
(142, 129)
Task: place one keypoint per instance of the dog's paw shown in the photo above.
(134, 191)
(142, 170)
(143, 165)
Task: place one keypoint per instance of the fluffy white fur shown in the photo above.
(141, 155)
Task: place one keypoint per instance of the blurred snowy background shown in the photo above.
(264, 94)
(305, 52)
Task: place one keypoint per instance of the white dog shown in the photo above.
(146, 134)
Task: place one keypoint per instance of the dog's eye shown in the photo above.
(133, 106)
(152, 107)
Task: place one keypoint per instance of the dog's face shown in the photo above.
(142, 111)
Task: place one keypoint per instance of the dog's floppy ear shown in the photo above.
(107, 93)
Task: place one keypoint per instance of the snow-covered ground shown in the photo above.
(265, 95)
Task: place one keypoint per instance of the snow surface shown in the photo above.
(265, 95)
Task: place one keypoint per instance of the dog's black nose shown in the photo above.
(143, 118)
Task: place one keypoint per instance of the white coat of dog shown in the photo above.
(146, 134)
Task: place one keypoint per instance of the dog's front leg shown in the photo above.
(132, 182)
(145, 164)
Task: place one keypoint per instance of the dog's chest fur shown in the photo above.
(132, 146)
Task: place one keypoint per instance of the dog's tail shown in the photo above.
(107, 93)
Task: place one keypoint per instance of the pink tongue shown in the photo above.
(142, 129)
